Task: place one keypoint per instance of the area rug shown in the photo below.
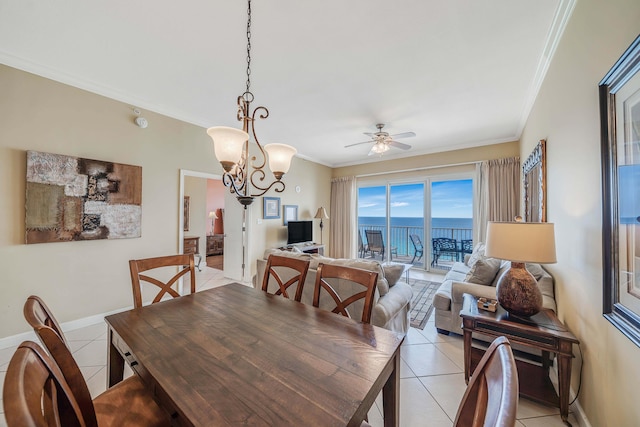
(422, 301)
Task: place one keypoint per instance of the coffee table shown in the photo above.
(406, 268)
(542, 331)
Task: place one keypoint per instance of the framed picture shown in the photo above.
(271, 207)
(534, 178)
(620, 133)
(186, 213)
(290, 213)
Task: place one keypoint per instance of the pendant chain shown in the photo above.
(249, 46)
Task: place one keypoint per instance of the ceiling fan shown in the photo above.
(382, 141)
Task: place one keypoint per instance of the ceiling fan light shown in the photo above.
(227, 145)
(280, 156)
(380, 147)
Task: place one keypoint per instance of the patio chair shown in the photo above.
(362, 248)
(467, 247)
(444, 246)
(418, 248)
(376, 244)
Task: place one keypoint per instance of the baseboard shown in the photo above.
(575, 408)
(14, 340)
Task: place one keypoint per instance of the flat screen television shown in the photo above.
(299, 232)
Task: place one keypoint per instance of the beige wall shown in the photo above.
(566, 114)
(81, 279)
(454, 157)
(314, 181)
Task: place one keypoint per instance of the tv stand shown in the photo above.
(307, 248)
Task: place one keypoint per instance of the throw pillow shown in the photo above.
(392, 273)
(476, 254)
(483, 272)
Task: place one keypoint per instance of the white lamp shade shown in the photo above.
(213, 215)
(322, 214)
(280, 156)
(521, 241)
(228, 144)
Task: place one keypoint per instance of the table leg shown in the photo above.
(115, 363)
(467, 355)
(391, 395)
(564, 382)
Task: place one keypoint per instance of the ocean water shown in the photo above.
(416, 222)
(402, 228)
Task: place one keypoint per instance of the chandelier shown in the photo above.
(245, 177)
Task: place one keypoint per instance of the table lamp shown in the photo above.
(322, 214)
(213, 217)
(520, 242)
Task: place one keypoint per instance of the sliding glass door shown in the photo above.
(451, 228)
(427, 222)
(391, 222)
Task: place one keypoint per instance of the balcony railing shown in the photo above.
(402, 243)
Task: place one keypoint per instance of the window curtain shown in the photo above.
(497, 193)
(343, 217)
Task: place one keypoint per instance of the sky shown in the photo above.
(449, 199)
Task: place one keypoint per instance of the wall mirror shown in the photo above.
(620, 135)
(534, 175)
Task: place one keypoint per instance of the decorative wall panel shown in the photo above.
(71, 198)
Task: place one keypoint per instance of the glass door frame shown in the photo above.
(426, 179)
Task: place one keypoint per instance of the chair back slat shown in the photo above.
(39, 318)
(285, 272)
(36, 393)
(185, 263)
(361, 278)
(491, 398)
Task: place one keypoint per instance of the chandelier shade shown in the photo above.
(228, 144)
(280, 156)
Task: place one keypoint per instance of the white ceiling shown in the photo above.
(458, 73)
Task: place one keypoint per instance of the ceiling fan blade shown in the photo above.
(403, 135)
(371, 134)
(399, 145)
(358, 143)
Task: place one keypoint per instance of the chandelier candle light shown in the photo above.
(322, 214)
(231, 147)
(520, 242)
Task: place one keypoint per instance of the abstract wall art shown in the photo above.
(72, 199)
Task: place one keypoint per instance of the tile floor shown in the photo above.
(431, 384)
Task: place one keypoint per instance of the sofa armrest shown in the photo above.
(391, 304)
(478, 291)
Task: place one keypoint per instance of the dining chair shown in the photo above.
(286, 272)
(37, 393)
(356, 285)
(491, 398)
(132, 390)
(185, 263)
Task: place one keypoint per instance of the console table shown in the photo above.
(311, 248)
(542, 331)
(215, 244)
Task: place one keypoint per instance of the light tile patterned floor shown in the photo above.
(431, 371)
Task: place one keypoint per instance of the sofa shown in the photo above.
(478, 276)
(392, 298)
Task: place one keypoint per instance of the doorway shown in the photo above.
(196, 222)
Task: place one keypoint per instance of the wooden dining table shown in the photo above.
(235, 355)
